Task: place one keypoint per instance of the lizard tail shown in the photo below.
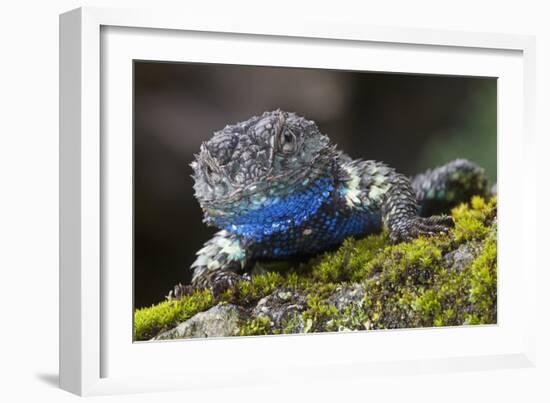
(440, 189)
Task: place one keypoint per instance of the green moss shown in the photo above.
(473, 223)
(483, 284)
(256, 327)
(319, 314)
(349, 261)
(414, 288)
(405, 285)
(148, 322)
(259, 286)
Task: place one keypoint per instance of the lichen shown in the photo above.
(368, 283)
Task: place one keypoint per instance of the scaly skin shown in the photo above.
(276, 187)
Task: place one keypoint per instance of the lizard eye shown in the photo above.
(287, 142)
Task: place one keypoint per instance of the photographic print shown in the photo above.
(277, 200)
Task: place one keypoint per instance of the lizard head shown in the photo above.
(256, 161)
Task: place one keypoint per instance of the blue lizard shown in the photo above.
(276, 187)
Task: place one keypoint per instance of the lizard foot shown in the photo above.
(179, 291)
(421, 226)
(218, 281)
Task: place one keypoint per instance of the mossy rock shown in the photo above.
(366, 284)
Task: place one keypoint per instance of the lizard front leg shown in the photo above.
(217, 265)
(219, 261)
(399, 210)
(373, 186)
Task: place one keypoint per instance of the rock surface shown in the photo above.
(219, 321)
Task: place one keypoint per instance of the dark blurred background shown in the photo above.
(411, 122)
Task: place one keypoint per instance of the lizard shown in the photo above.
(275, 186)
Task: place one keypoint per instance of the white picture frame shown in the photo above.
(97, 355)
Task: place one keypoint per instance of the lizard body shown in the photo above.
(277, 187)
